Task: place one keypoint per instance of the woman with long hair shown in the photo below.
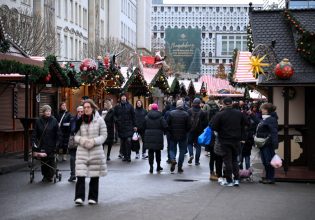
(90, 157)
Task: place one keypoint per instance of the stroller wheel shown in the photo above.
(59, 177)
(32, 176)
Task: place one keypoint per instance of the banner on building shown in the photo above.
(183, 45)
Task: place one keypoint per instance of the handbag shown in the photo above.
(71, 143)
(260, 142)
(205, 137)
(135, 145)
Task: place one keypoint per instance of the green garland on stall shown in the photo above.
(306, 42)
(175, 87)
(137, 84)
(250, 42)
(160, 81)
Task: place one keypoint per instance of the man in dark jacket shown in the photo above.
(199, 121)
(179, 124)
(230, 123)
(125, 120)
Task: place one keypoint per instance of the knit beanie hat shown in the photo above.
(155, 107)
(46, 108)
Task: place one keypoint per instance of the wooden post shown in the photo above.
(26, 123)
(287, 144)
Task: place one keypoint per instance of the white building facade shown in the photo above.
(223, 28)
(83, 24)
(274, 4)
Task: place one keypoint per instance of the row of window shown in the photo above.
(196, 9)
(217, 28)
(71, 48)
(128, 36)
(216, 61)
(73, 12)
(129, 9)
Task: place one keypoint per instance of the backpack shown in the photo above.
(195, 120)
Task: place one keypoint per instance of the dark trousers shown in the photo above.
(141, 134)
(109, 149)
(93, 188)
(231, 162)
(157, 157)
(214, 158)
(72, 153)
(125, 147)
(47, 166)
(267, 154)
(63, 149)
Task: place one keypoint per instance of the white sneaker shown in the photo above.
(225, 183)
(78, 201)
(236, 182)
(92, 202)
(221, 179)
(137, 156)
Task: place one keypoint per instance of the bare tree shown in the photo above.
(110, 46)
(29, 31)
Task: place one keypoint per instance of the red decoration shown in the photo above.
(284, 69)
(71, 65)
(106, 62)
(87, 65)
(48, 77)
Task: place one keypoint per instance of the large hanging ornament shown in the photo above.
(87, 65)
(47, 78)
(284, 69)
(257, 65)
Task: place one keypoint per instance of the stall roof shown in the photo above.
(270, 26)
(242, 69)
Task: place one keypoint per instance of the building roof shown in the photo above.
(242, 69)
(268, 26)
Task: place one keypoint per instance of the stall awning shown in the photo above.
(242, 68)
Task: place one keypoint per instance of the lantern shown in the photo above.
(284, 69)
(87, 65)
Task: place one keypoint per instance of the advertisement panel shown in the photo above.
(183, 45)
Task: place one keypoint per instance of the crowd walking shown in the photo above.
(235, 127)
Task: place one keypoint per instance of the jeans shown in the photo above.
(182, 144)
(72, 153)
(267, 154)
(93, 188)
(230, 161)
(157, 157)
(168, 138)
(125, 147)
(190, 145)
(247, 162)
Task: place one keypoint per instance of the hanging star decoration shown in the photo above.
(257, 65)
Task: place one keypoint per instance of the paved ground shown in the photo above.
(130, 192)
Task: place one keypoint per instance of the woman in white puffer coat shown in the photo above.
(90, 157)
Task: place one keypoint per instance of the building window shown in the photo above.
(176, 9)
(210, 54)
(155, 28)
(203, 54)
(217, 28)
(203, 35)
(66, 46)
(66, 9)
(76, 13)
(162, 35)
(162, 28)
(189, 9)
(162, 9)
(80, 16)
(155, 9)
(85, 19)
(224, 28)
(58, 7)
(230, 42)
(58, 44)
(71, 10)
(203, 61)
(102, 30)
(210, 35)
(102, 4)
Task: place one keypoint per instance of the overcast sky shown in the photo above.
(212, 1)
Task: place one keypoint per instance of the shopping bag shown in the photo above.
(135, 136)
(276, 161)
(135, 145)
(205, 137)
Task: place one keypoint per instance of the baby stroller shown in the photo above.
(35, 161)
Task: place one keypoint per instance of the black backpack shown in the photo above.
(195, 120)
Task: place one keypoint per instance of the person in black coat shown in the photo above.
(154, 128)
(140, 114)
(179, 124)
(198, 123)
(230, 124)
(268, 127)
(110, 124)
(73, 150)
(125, 120)
(64, 117)
(45, 139)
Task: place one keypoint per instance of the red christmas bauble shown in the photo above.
(48, 77)
(106, 61)
(284, 69)
(87, 65)
(71, 65)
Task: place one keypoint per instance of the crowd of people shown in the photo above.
(90, 134)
